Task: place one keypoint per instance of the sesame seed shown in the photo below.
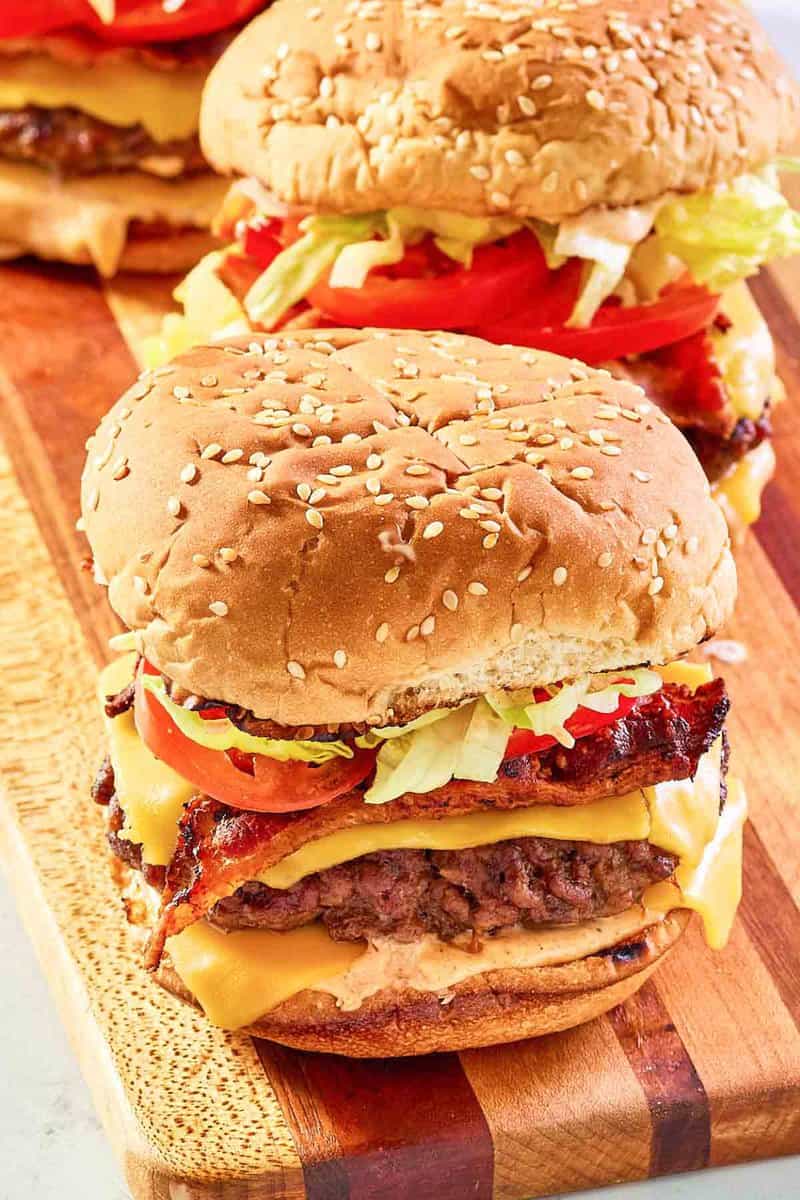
(595, 99)
(418, 469)
(174, 506)
(433, 530)
(670, 531)
(450, 600)
(295, 669)
(392, 575)
(374, 461)
(303, 490)
(211, 450)
(200, 560)
(692, 545)
(228, 554)
(314, 518)
(524, 574)
(610, 451)
(232, 456)
(219, 608)
(189, 473)
(339, 659)
(418, 502)
(642, 476)
(384, 498)
(649, 536)
(258, 497)
(413, 633)
(140, 584)
(477, 589)
(581, 472)
(655, 585)
(560, 576)
(382, 632)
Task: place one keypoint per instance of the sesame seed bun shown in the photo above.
(496, 1006)
(341, 526)
(528, 109)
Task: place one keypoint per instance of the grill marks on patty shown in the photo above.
(71, 142)
(408, 893)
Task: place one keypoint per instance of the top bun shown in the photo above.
(351, 526)
(524, 108)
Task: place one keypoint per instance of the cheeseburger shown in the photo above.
(403, 756)
(595, 180)
(100, 158)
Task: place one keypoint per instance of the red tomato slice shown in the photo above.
(502, 275)
(616, 332)
(582, 723)
(257, 783)
(135, 20)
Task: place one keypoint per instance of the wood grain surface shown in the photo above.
(701, 1067)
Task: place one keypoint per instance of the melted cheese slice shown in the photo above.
(87, 219)
(237, 977)
(745, 352)
(739, 492)
(150, 794)
(166, 103)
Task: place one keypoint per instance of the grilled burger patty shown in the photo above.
(74, 143)
(408, 893)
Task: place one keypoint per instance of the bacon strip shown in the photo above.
(220, 848)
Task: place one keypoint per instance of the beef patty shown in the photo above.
(407, 893)
(74, 143)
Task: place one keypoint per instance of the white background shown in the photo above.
(51, 1146)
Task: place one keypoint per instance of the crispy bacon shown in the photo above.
(220, 848)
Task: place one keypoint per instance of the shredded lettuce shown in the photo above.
(224, 735)
(726, 234)
(599, 692)
(291, 276)
(464, 743)
(469, 742)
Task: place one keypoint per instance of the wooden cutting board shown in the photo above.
(702, 1067)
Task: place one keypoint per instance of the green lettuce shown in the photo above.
(462, 743)
(224, 735)
(726, 234)
(291, 276)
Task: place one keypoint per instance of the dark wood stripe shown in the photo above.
(675, 1095)
(772, 920)
(777, 534)
(404, 1128)
(64, 362)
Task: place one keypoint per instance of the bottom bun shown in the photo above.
(126, 220)
(497, 1006)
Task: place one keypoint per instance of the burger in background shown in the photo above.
(100, 160)
(595, 182)
(402, 760)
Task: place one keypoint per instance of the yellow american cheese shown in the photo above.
(150, 793)
(166, 103)
(739, 492)
(745, 352)
(237, 977)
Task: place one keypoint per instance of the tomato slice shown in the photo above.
(583, 723)
(249, 781)
(134, 21)
(502, 275)
(616, 332)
